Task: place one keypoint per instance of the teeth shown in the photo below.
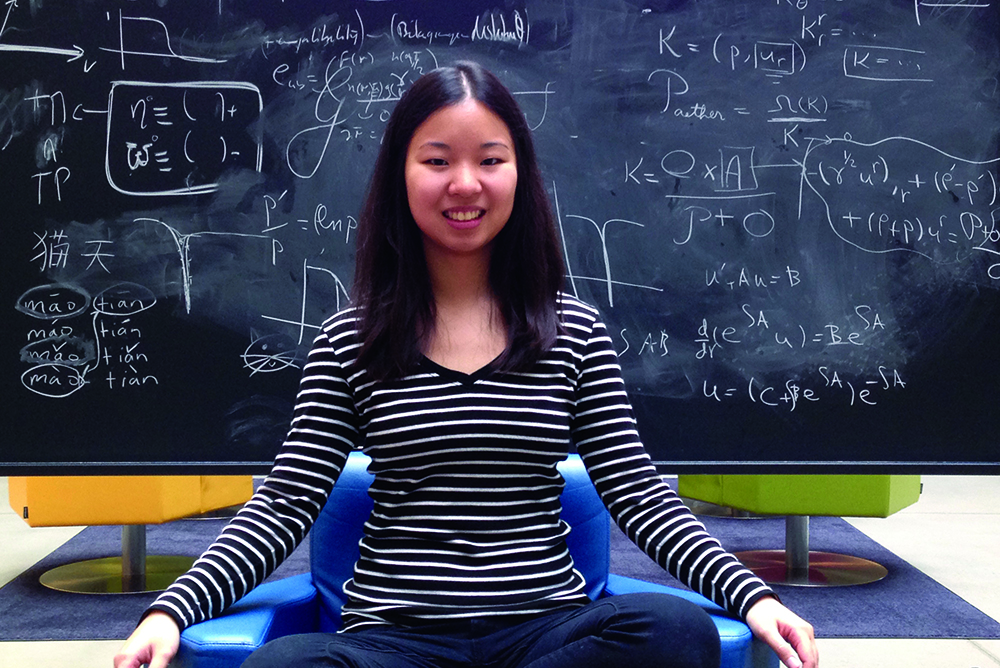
(464, 215)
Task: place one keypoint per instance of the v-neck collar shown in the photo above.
(460, 376)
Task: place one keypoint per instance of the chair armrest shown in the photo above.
(734, 634)
(620, 584)
(272, 610)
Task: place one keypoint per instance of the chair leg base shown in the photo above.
(105, 576)
(825, 569)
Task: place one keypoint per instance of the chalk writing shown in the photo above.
(921, 218)
(326, 35)
(495, 28)
(786, 208)
(774, 59)
(178, 139)
(53, 250)
(741, 277)
(883, 63)
(60, 359)
(795, 394)
(54, 301)
(56, 381)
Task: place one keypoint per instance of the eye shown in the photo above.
(489, 162)
(436, 162)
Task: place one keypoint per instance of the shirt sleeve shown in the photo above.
(641, 503)
(274, 521)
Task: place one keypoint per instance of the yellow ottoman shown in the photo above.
(131, 501)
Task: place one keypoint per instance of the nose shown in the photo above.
(465, 181)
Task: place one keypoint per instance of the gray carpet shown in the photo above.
(906, 604)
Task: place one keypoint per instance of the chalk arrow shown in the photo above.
(74, 53)
(11, 4)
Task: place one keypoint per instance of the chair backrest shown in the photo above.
(333, 540)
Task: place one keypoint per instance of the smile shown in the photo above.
(464, 216)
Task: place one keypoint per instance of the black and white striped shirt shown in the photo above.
(466, 515)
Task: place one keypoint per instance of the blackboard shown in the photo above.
(786, 210)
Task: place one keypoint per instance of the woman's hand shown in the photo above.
(154, 642)
(790, 636)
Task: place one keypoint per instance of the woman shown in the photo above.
(466, 374)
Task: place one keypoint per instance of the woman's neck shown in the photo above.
(469, 332)
(458, 281)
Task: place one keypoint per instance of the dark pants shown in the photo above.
(629, 631)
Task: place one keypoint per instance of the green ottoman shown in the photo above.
(797, 497)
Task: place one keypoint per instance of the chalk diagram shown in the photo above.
(270, 353)
(141, 31)
(183, 244)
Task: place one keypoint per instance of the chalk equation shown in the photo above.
(732, 174)
(180, 138)
(351, 95)
(884, 63)
(931, 203)
(797, 394)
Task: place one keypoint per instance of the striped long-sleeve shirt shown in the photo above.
(466, 515)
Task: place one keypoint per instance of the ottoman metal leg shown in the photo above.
(796, 565)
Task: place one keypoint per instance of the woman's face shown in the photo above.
(461, 174)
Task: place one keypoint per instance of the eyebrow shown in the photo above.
(444, 145)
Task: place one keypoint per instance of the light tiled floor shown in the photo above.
(952, 534)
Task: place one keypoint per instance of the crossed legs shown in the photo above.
(630, 631)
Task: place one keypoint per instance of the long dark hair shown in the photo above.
(391, 281)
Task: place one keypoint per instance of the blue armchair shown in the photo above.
(312, 601)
